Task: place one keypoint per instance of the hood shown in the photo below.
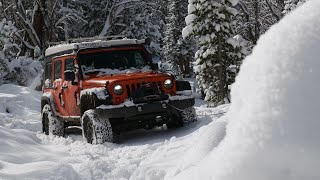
(101, 81)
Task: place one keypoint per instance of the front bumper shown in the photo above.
(132, 111)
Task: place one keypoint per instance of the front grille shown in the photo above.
(134, 87)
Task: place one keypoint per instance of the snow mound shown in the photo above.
(21, 156)
(20, 108)
(273, 131)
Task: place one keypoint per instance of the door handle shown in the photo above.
(61, 100)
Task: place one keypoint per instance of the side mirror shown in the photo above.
(69, 76)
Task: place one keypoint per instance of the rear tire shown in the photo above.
(51, 124)
(95, 129)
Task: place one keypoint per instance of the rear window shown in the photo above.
(48, 74)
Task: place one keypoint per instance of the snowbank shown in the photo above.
(26, 153)
(21, 157)
(273, 131)
(20, 107)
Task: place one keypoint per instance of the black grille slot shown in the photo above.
(145, 91)
(128, 90)
(133, 87)
(160, 85)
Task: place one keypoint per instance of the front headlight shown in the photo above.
(117, 89)
(168, 83)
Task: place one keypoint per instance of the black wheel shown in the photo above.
(174, 122)
(186, 116)
(50, 124)
(95, 129)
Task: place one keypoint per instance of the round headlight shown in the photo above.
(117, 89)
(168, 83)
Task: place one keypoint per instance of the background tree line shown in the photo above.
(26, 26)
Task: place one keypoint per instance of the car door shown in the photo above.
(57, 86)
(70, 90)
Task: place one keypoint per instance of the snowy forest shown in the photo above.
(249, 71)
(206, 39)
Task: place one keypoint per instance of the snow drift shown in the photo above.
(273, 130)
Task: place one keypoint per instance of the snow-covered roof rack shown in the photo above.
(88, 43)
(86, 39)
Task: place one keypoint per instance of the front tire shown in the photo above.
(51, 124)
(186, 116)
(95, 129)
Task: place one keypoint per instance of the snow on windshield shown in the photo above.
(114, 62)
(107, 71)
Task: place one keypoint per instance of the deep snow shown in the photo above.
(26, 153)
(270, 131)
(273, 130)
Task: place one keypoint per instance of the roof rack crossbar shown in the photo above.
(78, 40)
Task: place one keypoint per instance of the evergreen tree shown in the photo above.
(290, 5)
(212, 24)
(171, 39)
(147, 22)
(178, 52)
(255, 17)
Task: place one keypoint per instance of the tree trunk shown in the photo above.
(39, 23)
(220, 94)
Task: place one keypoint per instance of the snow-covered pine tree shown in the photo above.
(178, 52)
(212, 24)
(185, 47)
(14, 68)
(290, 5)
(172, 34)
(255, 17)
(105, 17)
(147, 22)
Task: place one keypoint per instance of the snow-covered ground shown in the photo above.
(142, 154)
(270, 131)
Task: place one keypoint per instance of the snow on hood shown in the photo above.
(273, 131)
(103, 72)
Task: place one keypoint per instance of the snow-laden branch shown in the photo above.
(278, 16)
(114, 11)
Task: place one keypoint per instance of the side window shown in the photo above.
(69, 66)
(57, 69)
(48, 74)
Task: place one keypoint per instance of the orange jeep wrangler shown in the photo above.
(109, 86)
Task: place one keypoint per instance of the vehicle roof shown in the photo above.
(67, 47)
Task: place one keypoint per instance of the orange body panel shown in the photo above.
(66, 96)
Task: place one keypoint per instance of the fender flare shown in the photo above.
(46, 100)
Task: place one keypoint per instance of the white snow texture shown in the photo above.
(271, 130)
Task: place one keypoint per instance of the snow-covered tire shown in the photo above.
(95, 129)
(188, 115)
(51, 124)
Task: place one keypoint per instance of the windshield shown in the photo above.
(113, 62)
